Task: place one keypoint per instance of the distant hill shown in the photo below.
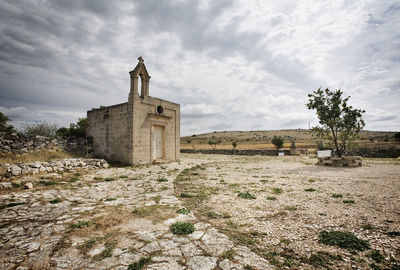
(261, 139)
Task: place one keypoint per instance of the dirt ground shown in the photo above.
(249, 212)
(294, 201)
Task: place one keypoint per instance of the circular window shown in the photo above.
(160, 109)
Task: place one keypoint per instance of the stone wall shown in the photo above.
(377, 152)
(21, 169)
(236, 152)
(347, 161)
(18, 143)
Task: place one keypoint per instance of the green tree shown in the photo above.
(3, 124)
(213, 144)
(234, 144)
(278, 142)
(397, 136)
(77, 130)
(42, 129)
(339, 123)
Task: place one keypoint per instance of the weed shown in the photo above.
(73, 179)
(110, 199)
(109, 179)
(228, 254)
(277, 191)
(393, 233)
(185, 195)
(182, 228)
(212, 214)
(322, 259)
(246, 195)
(376, 256)
(290, 208)
(264, 181)
(48, 183)
(56, 200)
(143, 261)
(285, 241)
(183, 211)
(271, 198)
(337, 195)
(248, 267)
(341, 239)
(310, 190)
(81, 224)
(348, 201)
(368, 227)
(123, 176)
(97, 178)
(162, 179)
(311, 180)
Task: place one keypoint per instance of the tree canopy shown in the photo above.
(3, 124)
(338, 122)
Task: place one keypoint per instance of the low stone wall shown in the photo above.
(348, 161)
(19, 143)
(236, 152)
(21, 169)
(377, 152)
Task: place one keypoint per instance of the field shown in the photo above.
(251, 140)
(206, 212)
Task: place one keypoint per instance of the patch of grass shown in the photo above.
(322, 259)
(285, 241)
(162, 179)
(185, 195)
(311, 180)
(98, 178)
(212, 214)
(376, 256)
(368, 227)
(123, 176)
(182, 228)
(110, 199)
(81, 224)
(246, 195)
(48, 183)
(337, 195)
(107, 251)
(277, 191)
(290, 208)
(73, 178)
(309, 189)
(248, 267)
(342, 239)
(109, 179)
(183, 211)
(143, 261)
(393, 233)
(55, 201)
(271, 198)
(348, 201)
(226, 215)
(264, 181)
(228, 254)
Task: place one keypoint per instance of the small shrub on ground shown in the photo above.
(110, 199)
(143, 261)
(246, 195)
(185, 195)
(310, 190)
(183, 211)
(337, 195)
(182, 228)
(56, 200)
(348, 201)
(162, 179)
(341, 239)
(81, 224)
(271, 198)
(109, 179)
(212, 214)
(277, 191)
(376, 256)
(394, 233)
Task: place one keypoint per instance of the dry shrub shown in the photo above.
(34, 156)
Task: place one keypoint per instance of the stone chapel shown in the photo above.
(141, 131)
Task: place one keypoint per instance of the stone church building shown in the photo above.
(141, 131)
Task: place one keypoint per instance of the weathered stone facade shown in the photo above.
(143, 130)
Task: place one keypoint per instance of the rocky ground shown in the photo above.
(248, 213)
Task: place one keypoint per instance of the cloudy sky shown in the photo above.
(232, 65)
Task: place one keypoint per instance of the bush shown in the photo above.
(341, 239)
(3, 124)
(182, 228)
(246, 195)
(40, 129)
(76, 130)
(278, 142)
(143, 261)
